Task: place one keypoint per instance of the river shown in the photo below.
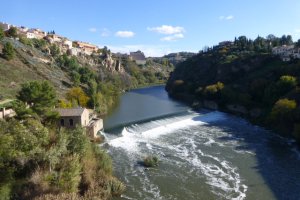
(202, 155)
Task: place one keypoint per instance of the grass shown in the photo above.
(150, 161)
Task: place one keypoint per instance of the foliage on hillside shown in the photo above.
(37, 59)
(243, 78)
(40, 161)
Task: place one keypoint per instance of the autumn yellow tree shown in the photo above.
(78, 95)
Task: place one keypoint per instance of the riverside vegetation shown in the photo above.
(37, 159)
(244, 78)
(41, 161)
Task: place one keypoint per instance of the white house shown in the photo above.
(138, 57)
(5, 26)
(286, 52)
(67, 43)
(281, 50)
(36, 33)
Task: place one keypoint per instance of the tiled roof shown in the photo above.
(70, 112)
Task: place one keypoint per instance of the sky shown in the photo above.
(157, 27)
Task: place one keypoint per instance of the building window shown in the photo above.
(62, 122)
(71, 122)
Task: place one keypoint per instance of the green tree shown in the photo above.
(213, 91)
(8, 51)
(54, 50)
(78, 95)
(286, 83)
(39, 95)
(75, 76)
(283, 111)
(12, 32)
(1, 33)
(38, 43)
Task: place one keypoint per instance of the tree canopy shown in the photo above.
(77, 95)
(39, 95)
(12, 32)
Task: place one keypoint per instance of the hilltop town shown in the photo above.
(45, 55)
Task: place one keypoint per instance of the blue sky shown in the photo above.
(156, 27)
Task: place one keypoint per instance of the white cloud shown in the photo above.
(167, 30)
(124, 34)
(229, 17)
(93, 30)
(105, 32)
(174, 37)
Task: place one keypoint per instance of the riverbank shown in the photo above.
(255, 85)
(146, 86)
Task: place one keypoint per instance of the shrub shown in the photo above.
(283, 109)
(12, 32)
(104, 160)
(78, 95)
(115, 186)
(1, 33)
(213, 91)
(69, 175)
(8, 51)
(150, 161)
(54, 50)
(25, 41)
(286, 83)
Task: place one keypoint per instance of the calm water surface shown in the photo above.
(203, 155)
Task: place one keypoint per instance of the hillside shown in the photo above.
(39, 60)
(28, 64)
(244, 80)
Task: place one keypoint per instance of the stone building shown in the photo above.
(138, 57)
(72, 117)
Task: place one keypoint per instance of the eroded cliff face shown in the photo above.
(112, 64)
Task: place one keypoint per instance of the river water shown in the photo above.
(202, 155)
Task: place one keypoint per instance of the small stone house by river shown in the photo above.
(72, 117)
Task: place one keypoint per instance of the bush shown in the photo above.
(150, 161)
(115, 186)
(104, 160)
(12, 32)
(1, 33)
(25, 41)
(286, 84)
(8, 51)
(214, 91)
(54, 50)
(283, 109)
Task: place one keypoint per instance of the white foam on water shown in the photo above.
(220, 175)
(133, 135)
